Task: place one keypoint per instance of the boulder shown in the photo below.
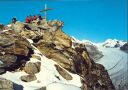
(31, 34)
(63, 73)
(6, 40)
(32, 68)
(13, 49)
(6, 84)
(11, 42)
(8, 60)
(28, 78)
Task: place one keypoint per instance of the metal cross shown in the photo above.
(45, 11)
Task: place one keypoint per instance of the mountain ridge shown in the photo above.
(45, 50)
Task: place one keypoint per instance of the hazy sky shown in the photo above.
(95, 20)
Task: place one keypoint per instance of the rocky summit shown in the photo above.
(36, 53)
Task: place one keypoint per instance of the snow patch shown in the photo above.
(61, 86)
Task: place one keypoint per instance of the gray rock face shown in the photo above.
(7, 60)
(32, 68)
(6, 84)
(28, 78)
(93, 51)
(125, 47)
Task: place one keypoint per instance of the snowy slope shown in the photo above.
(61, 86)
(46, 77)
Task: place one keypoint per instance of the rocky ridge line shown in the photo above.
(52, 42)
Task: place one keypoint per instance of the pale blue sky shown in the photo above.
(95, 20)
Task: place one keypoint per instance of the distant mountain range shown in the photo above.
(113, 43)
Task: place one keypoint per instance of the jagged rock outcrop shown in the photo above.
(13, 50)
(124, 47)
(56, 45)
(93, 51)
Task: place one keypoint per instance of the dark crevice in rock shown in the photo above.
(37, 39)
(21, 59)
(5, 46)
(2, 70)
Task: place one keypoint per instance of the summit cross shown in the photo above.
(45, 11)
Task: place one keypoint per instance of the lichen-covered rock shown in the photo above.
(13, 49)
(12, 43)
(58, 38)
(6, 84)
(63, 73)
(28, 78)
(32, 68)
(31, 34)
(62, 39)
(61, 56)
(7, 60)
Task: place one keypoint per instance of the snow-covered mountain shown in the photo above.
(113, 43)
